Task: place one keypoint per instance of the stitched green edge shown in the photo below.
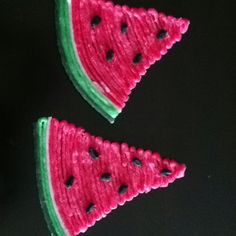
(41, 132)
(73, 66)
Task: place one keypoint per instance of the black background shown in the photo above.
(184, 107)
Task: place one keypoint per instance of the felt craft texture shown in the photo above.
(82, 177)
(107, 48)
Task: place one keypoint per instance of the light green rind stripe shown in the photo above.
(43, 178)
(73, 67)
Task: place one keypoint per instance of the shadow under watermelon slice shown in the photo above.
(107, 48)
(82, 178)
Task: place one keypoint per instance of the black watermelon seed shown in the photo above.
(69, 182)
(93, 153)
(90, 208)
(124, 28)
(137, 58)
(110, 55)
(161, 34)
(137, 162)
(95, 21)
(106, 177)
(123, 189)
(165, 172)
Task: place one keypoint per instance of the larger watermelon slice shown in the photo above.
(106, 48)
(82, 177)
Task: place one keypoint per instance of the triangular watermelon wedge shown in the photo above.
(82, 178)
(106, 48)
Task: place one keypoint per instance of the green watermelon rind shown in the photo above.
(45, 195)
(73, 65)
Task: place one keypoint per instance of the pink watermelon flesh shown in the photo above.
(83, 177)
(115, 45)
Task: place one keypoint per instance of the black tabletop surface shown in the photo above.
(184, 107)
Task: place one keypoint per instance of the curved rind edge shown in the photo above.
(46, 201)
(73, 68)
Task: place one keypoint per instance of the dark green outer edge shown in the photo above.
(43, 181)
(73, 67)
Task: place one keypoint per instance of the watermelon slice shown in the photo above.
(82, 177)
(106, 48)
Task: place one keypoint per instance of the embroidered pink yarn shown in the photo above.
(83, 177)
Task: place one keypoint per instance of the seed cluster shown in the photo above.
(96, 20)
(107, 177)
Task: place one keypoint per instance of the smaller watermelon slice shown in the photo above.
(107, 48)
(82, 178)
